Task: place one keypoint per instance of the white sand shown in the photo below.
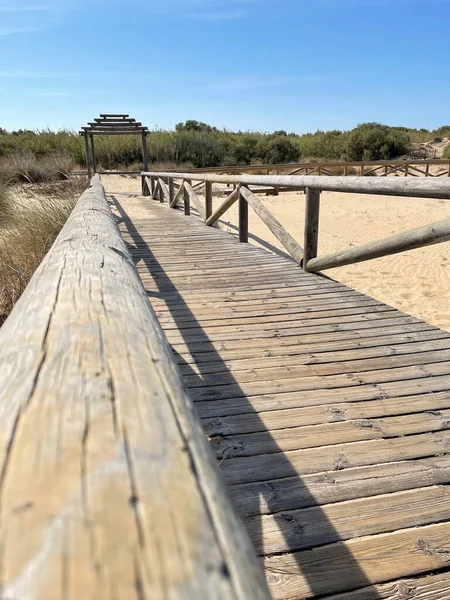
(417, 282)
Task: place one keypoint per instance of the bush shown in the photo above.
(447, 152)
(371, 141)
(277, 149)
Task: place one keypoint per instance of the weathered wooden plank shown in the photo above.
(333, 458)
(318, 415)
(305, 358)
(282, 235)
(295, 492)
(313, 436)
(106, 472)
(428, 587)
(334, 368)
(357, 563)
(298, 399)
(289, 328)
(325, 524)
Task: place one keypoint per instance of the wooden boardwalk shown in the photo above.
(328, 410)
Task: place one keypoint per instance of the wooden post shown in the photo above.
(345, 170)
(312, 208)
(406, 170)
(187, 200)
(171, 190)
(88, 159)
(144, 150)
(152, 186)
(243, 218)
(161, 192)
(427, 170)
(208, 199)
(448, 174)
(362, 171)
(94, 166)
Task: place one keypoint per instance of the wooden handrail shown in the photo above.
(419, 187)
(108, 481)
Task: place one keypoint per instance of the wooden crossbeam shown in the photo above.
(105, 116)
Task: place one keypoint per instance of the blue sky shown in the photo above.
(240, 64)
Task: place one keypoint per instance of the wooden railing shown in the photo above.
(382, 168)
(163, 186)
(108, 485)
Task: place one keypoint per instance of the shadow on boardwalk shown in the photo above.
(346, 571)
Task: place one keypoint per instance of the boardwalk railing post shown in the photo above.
(88, 159)
(243, 217)
(187, 199)
(171, 190)
(312, 208)
(208, 199)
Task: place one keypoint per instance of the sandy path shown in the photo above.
(417, 282)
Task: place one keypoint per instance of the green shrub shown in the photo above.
(273, 149)
(372, 141)
(447, 152)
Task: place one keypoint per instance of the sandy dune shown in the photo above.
(417, 282)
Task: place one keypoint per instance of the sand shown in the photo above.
(417, 282)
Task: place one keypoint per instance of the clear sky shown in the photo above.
(242, 64)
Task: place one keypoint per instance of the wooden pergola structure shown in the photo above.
(112, 124)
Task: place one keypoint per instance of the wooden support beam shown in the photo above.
(145, 185)
(103, 448)
(178, 195)
(163, 191)
(155, 194)
(229, 201)
(195, 200)
(243, 215)
(208, 199)
(312, 209)
(283, 236)
(435, 233)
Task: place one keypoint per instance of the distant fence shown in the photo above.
(172, 187)
(382, 168)
(108, 484)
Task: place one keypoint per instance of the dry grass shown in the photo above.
(35, 218)
(25, 167)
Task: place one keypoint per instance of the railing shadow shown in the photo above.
(292, 530)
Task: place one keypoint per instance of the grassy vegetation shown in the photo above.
(47, 155)
(447, 152)
(32, 218)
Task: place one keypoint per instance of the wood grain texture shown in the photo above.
(328, 411)
(108, 488)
